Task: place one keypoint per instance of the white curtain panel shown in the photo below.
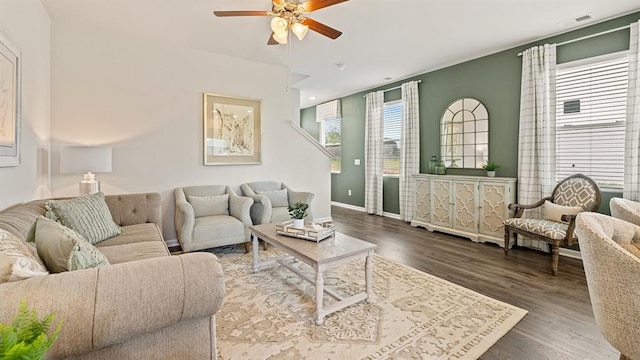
(373, 152)
(409, 148)
(631, 187)
(537, 133)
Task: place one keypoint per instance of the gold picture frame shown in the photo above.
(10, 100)
(232, 130)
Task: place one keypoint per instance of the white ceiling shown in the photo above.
(381, 38)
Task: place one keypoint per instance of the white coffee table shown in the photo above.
(320, 256)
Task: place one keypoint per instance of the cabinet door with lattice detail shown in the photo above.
(465, 203)
(441, 202)
(422, 211)
(494, 200)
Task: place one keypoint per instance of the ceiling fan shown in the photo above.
(291, 15)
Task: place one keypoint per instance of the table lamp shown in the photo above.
(86, 159)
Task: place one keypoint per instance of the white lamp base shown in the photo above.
(89, 185)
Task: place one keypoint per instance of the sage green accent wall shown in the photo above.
(492, 79)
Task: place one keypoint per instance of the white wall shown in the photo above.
(27, 23)
(145, 100)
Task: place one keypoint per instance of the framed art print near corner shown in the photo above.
(232, 130)
(10, 97)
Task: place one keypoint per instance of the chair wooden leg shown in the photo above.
(555, 255)
(507, 239)
(247, 247)
(265, 245)
(623, 357)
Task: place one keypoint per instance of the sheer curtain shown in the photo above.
(631, 187)
(373, 152)
(537, 133)
(409, 148)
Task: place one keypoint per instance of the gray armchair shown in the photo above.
(272, 199)
(626, 210)
(610, 249)
(210, 216)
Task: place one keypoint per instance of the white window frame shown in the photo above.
(585, 62)
(390, 103)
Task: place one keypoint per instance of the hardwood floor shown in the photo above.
(560, 323)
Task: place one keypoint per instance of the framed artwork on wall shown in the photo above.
(232, 130)
(10, 98)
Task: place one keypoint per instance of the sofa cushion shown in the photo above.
(209, 205)
(63, 249)
(135, 251)
(278, 197)
(280, 214)
(135, 234)
(17, 262)
(88, 215)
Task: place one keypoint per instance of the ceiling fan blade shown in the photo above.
(313, 5)
(271, 40)
(279, 2)
(322, 29)
(240, 13)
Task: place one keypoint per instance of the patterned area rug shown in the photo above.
(269, 314)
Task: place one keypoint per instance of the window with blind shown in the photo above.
(391, 138)
(591, 99)
(331, 137)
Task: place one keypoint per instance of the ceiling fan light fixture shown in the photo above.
(300, 30)
(279, 25)
(281, 37)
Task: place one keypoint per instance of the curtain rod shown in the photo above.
(590, 36)
(393, 88)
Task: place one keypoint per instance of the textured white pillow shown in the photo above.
(209, 205)
(279, 198)
(17, 262)
(554, 212)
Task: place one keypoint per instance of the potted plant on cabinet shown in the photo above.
(298, 212)
(491, 168)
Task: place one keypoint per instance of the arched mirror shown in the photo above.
(464, 134)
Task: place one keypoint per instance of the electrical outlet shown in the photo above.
(349, 192)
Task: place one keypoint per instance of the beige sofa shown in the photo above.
(145, 305)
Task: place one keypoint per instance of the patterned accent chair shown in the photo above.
(626, 210)
(572, 195)
(610, 251)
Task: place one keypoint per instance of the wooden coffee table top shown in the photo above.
(334, 248)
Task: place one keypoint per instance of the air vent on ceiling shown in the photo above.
(576, 21)
(583, 18)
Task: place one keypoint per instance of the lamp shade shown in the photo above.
(83, 159)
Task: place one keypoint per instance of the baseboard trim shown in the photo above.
(571, 253)
(360, 208)
(172, 242)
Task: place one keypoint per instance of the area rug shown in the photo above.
(269, 314)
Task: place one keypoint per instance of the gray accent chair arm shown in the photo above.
(300, 196)
(625, 209)
(240, 207)
(184, 218)
(261, 208)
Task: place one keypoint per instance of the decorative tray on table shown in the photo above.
(311, 232)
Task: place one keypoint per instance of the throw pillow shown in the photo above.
(278, 198)
(209, 205)
(63, 249)
(88, 215)
(16, 262)
(554, 212)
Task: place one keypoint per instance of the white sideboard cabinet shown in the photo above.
(468, 206)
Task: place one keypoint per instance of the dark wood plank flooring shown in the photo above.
(560, 323)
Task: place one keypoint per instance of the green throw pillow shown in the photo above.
(279, 198)
(88, 215)
(209, 205)
(63, 249)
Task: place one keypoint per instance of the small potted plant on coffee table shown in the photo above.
(491, 168)
(298, 212)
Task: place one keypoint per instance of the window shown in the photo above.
(329, 115)
(392, 125)
(591, 100)
(331, 136)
